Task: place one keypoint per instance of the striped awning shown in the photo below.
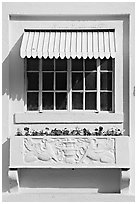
(68, 44)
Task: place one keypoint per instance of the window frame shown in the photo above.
(69, 90)
(118, 73)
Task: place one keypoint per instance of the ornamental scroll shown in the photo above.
(69, 150)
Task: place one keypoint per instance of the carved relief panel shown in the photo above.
(69, 150)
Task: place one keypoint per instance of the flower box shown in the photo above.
(69, 152)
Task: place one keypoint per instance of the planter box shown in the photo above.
(69, 152)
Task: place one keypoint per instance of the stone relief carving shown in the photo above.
(70, 150)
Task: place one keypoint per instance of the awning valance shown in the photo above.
(68, 44)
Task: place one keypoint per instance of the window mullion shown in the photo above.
(25, 84)
(68, 84)
(70, 81)
(98, 84)
(54, 85)
(83, 84)
(40, 85)
(113, 90)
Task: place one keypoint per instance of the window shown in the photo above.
(70, 84)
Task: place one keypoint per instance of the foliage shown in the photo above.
(77, 131)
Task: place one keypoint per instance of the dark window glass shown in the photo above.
(33, 81)
(90, 83)
(77, 81)
(106, 81)
(61, 81)
(61, 65)
(77, 64)
(48, 101)
(61, 101)
(90, 102)
(90, 64)
(106, 101)
(48, 80)
(106, 64)
(32, 64)
(77, 101)
(48, 64)
(32, 101)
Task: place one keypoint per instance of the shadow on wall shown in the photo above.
(126, 74)
(5, 164)
(12, 70)
(5, 76)
(10, 90)
(100, 179)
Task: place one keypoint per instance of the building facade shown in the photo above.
(68, 97)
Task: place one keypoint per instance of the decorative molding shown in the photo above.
(70, 150)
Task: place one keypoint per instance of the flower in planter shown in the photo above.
(65, 131)
(100, 130)
(111, 132)
(19, 132)
(56, 132)
(96, 131)
(86, 132)
(118, 132)
(41, 133)
(33, 133)
(26, 129)
(114, 132)
(76, 131)
(47, 131)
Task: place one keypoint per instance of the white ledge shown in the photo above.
(58, 117)
(60, 196)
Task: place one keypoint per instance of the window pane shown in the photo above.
(106, 81)
(32, 101)
(77, 64)
(61, 101)
(48, 64)
(90, 64)
(77, 100)
(32, 64)
(77, 81)
(61, 81)
(106, 64)
(106, 101)
(61, 65)
(90, 101)
(48, 81)
(48, 101)
(90, 81)
(33, 81)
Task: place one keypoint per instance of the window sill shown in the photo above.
(68, 117)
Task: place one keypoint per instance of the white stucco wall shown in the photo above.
(13, 72)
